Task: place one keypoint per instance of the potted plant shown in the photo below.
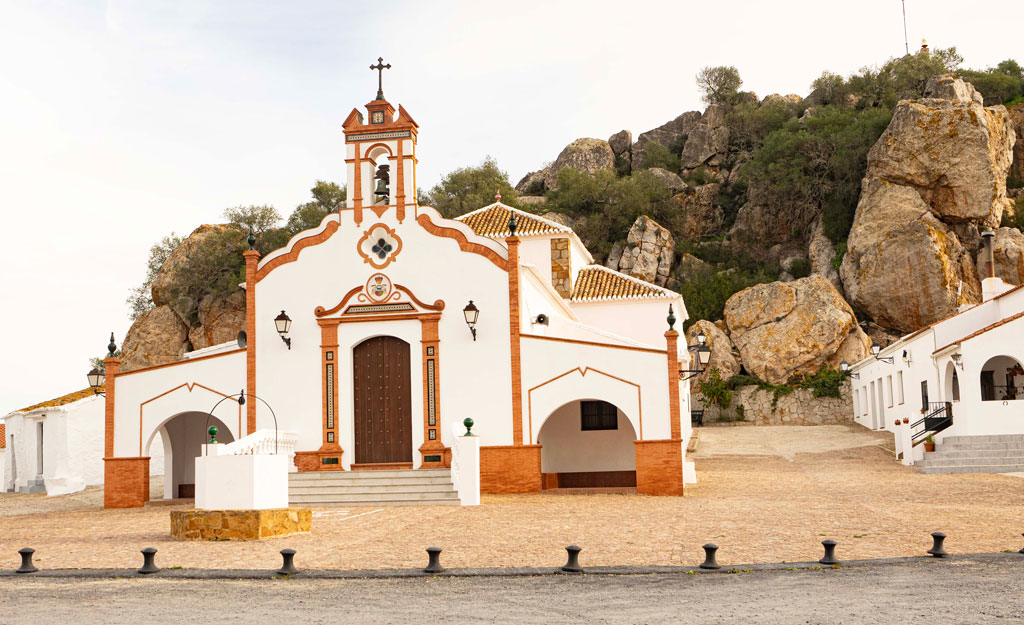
(929, 443)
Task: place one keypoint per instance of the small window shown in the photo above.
(598, 415)
(899, 387)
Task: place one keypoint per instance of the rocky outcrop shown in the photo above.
(949, 87)
(698, 215)
(786, 330)
(532, 183)
(1016, 114)
(220, 320)
(620, 142)
(895, 236)
(1008, 250)
(666, 134)
(708, 141)
(588, 155)
(669, 180)
(157, 337)
(821, 252)
(954, 152)
(723, 357)
(763, 220)
(561, 218)
(648, 252)
(162, 289)
(690, 264)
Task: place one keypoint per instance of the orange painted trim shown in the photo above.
(671, 340)
(329, 343)
(373, 147)
(437, 305)
(583, 372)
(110, 366)
(430, 340)
(594, 344)
(400, 181)
(293, 253)
(190, 387)
(366, 235)
(515, 347)
(376, 317)
(464, 244)
(122, 374)
(252, 260)
(320, 311)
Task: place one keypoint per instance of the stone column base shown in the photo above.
(508, 469)
(659, 467)
(240, 524)
(125, 482)
(323, 459)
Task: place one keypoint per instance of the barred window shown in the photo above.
(598, 415)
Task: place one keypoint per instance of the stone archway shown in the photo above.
(182, 436)
(587, 443)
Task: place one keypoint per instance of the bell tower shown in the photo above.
(380, 156)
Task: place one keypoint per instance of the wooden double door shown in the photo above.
(383, 401)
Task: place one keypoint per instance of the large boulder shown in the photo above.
(954, 152)
(787, 330)
(667, 135)
(698, 215)
(669, 180)
(904, 267)
(588, 155)
(764, 220)
(221, 318)
(532, 183)
(723, 357)
(1008, 250)
(821, 252)
(708, 141)
(648, 252)
(162, 289)
(949, 87)
(620, 142)
(1016, 113)
(157, 337)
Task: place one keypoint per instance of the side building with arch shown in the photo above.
(957, 383)
(369, 336)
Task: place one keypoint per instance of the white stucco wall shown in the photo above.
(568, 449)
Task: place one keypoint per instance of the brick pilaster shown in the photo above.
(672, 345)
(513, 317)
(252, 258)
(110, 366)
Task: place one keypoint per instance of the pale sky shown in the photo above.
(124, 121)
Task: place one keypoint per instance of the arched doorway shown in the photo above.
(952, 385)
(587, 444)
(382, 401)
(182, 437)
(1002, 379)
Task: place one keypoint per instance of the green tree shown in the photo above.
(902, 78)
(256, 218)
(829, 88)
(470, 188)
(719, 84)
(995, 85)
(140, 298)
(327, 196)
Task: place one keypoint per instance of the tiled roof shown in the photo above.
(64, 399)
(492, 221)
(596, 282)
(982, 331)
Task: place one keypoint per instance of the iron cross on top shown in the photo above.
(380, 67)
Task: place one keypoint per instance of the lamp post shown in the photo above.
(284, 323)
(96, 379)
(876, 349)
(472, 313)
(703, 353)
(845, 368)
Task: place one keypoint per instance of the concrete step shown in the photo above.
(980, 445)
(388, 481)
(954, 462)
(377, 503)
(368, 475)
(972, 468)
(984, 438)
(363, 488)
(351, 497)
(942, 452)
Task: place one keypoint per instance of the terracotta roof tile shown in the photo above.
(596, 282)
(62, 400)
(492, 221)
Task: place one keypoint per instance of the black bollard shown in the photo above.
(830, 552)
(434, 564)
(572, 565)
(26, 561)
(709, 557)
(1022, 550)
(148, 564)
(937, 549)
(288, 563)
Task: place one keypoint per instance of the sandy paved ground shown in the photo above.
(987, 591)
(759, 508)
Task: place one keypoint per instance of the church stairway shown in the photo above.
(420, 487)
(1002, 453)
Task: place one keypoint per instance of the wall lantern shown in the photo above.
(958, 360)
(96, 379)
(284, 323)
(875, 349)
(703, 353)
(472, 313)
(845, 368)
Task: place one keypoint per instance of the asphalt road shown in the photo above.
(964, 590)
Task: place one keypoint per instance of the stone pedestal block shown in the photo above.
(240, 524)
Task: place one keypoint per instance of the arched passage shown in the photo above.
(182, 437)
(587, 443)
(951, 386)
(1002, 379)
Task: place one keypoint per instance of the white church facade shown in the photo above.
(369, 336)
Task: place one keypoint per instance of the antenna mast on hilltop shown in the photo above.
(906, 45)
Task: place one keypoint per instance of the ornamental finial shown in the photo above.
(111, 347)
(671, 319)
(512, 225)
(497, 197)
(380, 67)
(251, 240)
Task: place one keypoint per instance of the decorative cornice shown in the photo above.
(464, 243)
(293, 252)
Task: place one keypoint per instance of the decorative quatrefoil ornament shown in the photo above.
(379, 246)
